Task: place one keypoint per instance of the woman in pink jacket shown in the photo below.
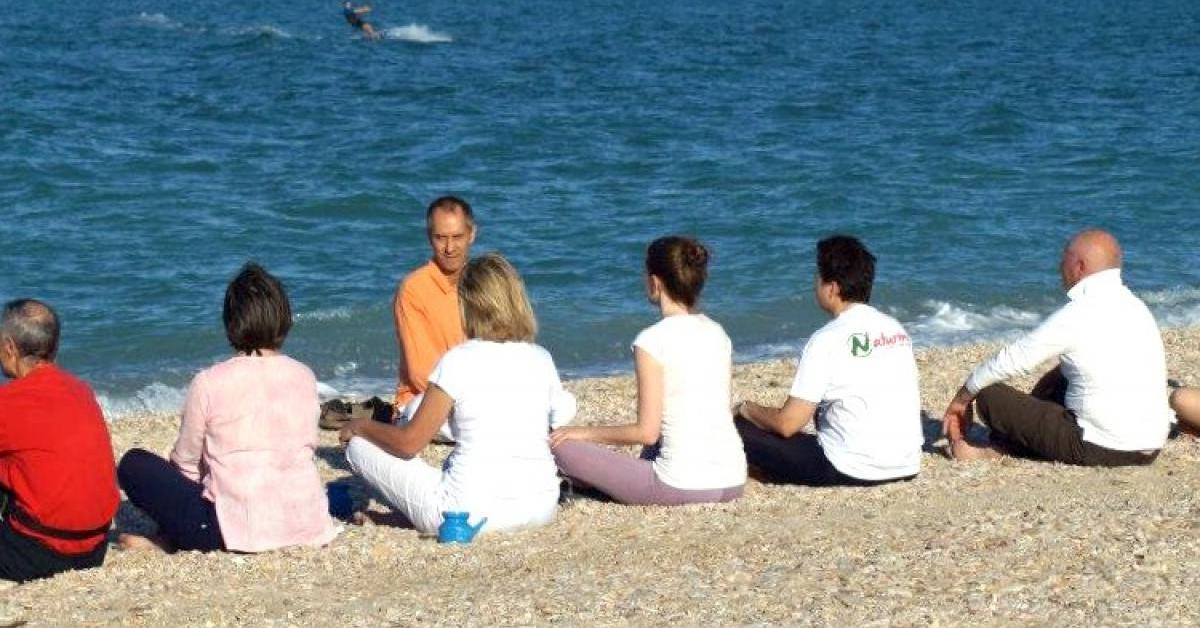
(241, 476)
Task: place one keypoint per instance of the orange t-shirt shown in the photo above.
(428, 323)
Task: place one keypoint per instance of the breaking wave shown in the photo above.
(416, 33)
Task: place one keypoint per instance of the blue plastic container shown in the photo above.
(456, 529)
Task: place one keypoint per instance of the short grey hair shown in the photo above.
(33, 327)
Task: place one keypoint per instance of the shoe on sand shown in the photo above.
(379, 410)
(335, 414)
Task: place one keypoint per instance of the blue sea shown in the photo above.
(148, 149)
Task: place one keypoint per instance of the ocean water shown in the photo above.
(148, 149)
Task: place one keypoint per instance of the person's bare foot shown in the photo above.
(128, 541)
(963, 451)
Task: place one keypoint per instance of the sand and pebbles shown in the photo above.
(998, 543)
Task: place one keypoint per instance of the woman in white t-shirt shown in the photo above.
(692, 451)
(501, 394)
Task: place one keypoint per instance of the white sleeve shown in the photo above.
(1053, 337)
(812, 374)
(448, 375)
(650, 340)
(563, 405)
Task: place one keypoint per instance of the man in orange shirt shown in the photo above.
(428, 321)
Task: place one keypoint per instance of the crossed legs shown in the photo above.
(1038, 426)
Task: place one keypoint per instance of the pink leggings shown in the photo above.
(629, 480)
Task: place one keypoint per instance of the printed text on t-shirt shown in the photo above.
(861, 344)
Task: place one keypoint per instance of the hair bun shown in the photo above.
(695, 254)
(682, 265)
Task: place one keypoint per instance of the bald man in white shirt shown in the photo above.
(1104, 405)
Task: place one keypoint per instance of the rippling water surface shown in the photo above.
(149, 148)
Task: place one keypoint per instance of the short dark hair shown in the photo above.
(847, 261)
(449, 204)
(257, 314)
(681, 263)
(33, 326)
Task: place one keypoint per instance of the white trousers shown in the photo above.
(415, 489)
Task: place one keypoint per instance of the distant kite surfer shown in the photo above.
(354, 15)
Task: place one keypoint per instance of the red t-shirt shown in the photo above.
(56, 456)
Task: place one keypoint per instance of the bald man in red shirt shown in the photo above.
(58, 490)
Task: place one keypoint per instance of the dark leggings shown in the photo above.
(185, 518)
(23, 559)
(795, 460)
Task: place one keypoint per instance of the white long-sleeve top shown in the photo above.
(1112, 355)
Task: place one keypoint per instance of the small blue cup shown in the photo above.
(341, 505)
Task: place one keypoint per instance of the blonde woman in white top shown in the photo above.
(500, 393)
(683, 362)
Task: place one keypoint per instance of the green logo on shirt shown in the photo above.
(860, 345)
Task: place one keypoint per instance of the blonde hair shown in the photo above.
(493, 301)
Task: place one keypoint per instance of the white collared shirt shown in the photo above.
(1112, 355)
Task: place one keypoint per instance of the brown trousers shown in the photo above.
(1038, 425)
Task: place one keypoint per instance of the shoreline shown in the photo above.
(155, 396)
(995, 542)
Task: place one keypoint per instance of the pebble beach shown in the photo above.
(992, 543)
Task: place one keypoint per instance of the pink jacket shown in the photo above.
(249, 433)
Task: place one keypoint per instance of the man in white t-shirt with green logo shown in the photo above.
(857, 378)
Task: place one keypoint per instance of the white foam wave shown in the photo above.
(950, 323)
(160, 399)
(417, 33)
(1173, 320)
(157, 398)
(946, 323)
(330, 314)
(1174, 307)
(158, 19)
(770, 351)
(1172, 296)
